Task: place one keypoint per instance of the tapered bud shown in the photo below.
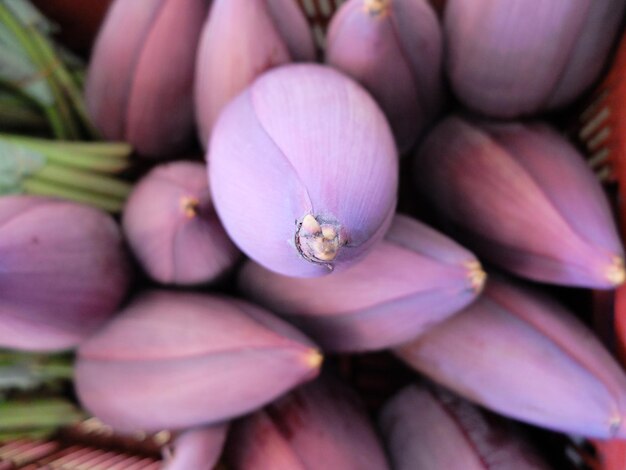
(428, 428)
(176, 360)
(197, 449)
(522, 355)
(410, 281)
(63, 272)
(522, 197)
(140, 79)
(320, 425)
(303, 171)
(520, 57)
(394, 49)
(241, 40)
(173, 229)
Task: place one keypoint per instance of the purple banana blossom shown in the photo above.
(63, 272)
(140, 79)
(519, 57)
(394, 48)
(428, 428)
(319, 425)
(241, 40)
(303, 171)
(524, 356)
(177, 360)
(410, 281)
(171, 225)
(522, 197)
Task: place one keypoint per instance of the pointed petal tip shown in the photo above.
(476, 276)
(189, 206)
(379, 8)
(616, 272)
(314, 359)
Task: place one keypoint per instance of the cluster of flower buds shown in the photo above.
(301, 183)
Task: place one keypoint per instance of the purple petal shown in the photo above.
(412, 280)
(492, 182)
(241, 40)
(302, 141)
(523, 356)
(63, 272)
(230, 356)
(320, 422)
(197, 449)
(428, 428)
(505, 59)
(173, 229)
(394, 52)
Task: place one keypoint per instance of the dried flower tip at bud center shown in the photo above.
(616, 274)
(190, 206)
(378, 8)
(318, 242)
(476, 275)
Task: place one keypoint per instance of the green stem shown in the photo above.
(84, 181)
(37, 414)
(64, 80)
(44, 368)
(86, 162)
(104, 149)
(36, 186)
(72, 156)
(15, 114)
(50, 372)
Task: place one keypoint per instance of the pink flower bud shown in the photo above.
(140, 78)
(241, 40)
(173, 229)
(303, 171)
(410, 281)
(524, 356)
(518, 57)
(522, 197)
(319, 425)
(428, 428)
(63, 272)
(176, 360)
(394, 49)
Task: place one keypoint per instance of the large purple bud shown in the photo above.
(63, 272)
(140, 78)
(522, 355)
(176, 360)
(520, 57)
(522, 198)
(394, 48)
(413, 279)
(303, 171)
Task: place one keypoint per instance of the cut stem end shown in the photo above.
(318, 241)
